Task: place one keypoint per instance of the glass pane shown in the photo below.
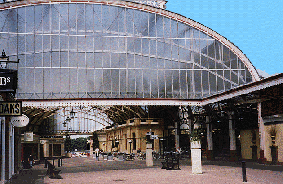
(98, 80)
(47, 80)
(131, 83)
(47, 59)
(55, 42)
(21, 44)
(107, 80)
(205, 83)
(90, 60)
(115, 81)
(123, 83)
(90, 81)
(46, 18)
(183, 82)
(154, 84)
(38, 43)
(81, 18)
(98, 60)
(73, 80)
(30, 19)
(63, 18)
(82, 77)
(169, 84)
(81, 44)
(30, 80)
(38, 18)
(56, 85)
(55, 59)
(97, 14)
(65, 78)
(38, 60)
(129, 21)
(30, 43)
(146, 83)
(55, 18)
(29, 60)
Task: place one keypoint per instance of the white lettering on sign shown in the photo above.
(10, 108)
(4, 81)
(20, 121)
(154, 137)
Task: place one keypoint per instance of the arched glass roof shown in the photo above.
(115, 49)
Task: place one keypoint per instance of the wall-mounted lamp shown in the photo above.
(72, 113)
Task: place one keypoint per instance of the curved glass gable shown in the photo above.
(70, 50)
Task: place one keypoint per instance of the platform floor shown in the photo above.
(87, 170)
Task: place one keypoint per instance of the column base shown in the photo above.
(196, 161)
(233, 156)
(261, 160)
(274, 155)
(149, 159)
(210, 155)
(254, 153)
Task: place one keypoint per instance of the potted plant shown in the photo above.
(68, 146)
(196, 138)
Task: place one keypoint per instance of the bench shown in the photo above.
(171, 162)
(52, 171)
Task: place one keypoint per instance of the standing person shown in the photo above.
(30, 159)
(96, 153)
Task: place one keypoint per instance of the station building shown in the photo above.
(131, 137)
(136, 53)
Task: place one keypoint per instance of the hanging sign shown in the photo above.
(11, 108)
(28, 136)
(43, 141)
(154, 137)
(8, 80)
(20, 121)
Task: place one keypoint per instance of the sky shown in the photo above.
(254, 26)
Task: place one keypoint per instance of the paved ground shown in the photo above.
(87, 170)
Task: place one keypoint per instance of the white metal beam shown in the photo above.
(107, 102)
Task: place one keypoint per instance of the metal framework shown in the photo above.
(115, 53)
(116, 49)
(241, 90)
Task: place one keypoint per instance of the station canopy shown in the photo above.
(97, 50)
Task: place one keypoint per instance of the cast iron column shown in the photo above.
(209, 140)
(262, 158)
(233, 152)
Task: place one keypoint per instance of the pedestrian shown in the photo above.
(30, 159)
(97, 153)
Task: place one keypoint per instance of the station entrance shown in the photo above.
(127, 69)
(117, 125)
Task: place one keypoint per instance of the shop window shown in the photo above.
(50, 150)
(57, 149)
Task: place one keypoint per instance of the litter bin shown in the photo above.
(172, 161)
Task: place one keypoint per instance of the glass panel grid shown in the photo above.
(115, 52)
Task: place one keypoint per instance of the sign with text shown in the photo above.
(20, 121)
(8, 80)
(10, 108)
(28, 136)
(154, 137)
